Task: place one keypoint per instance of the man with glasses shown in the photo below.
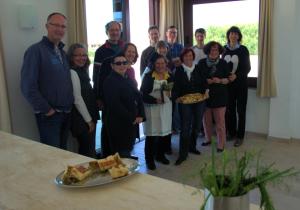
(153, 34)
(46, 83)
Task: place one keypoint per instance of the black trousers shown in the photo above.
(86, 143)
(236, 109)
(155, 146)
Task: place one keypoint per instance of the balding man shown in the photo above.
(46, 83)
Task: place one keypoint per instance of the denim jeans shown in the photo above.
(191, 118)
(54, 129)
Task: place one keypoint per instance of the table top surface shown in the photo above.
(28, 170)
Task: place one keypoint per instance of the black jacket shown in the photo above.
(183, 86)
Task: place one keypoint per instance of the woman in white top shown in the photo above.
(84, 113)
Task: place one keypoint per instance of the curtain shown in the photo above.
(77, 30)
(171, 13)
(5, 123)
(266, 83)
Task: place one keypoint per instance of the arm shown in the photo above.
(146, 89)
(78, 100)
(29, 81)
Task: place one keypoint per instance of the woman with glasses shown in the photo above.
(84, 113)
(123, 107)
(158, 109)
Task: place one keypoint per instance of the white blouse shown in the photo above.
(78, 100)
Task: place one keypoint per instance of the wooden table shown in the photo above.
(28, 169)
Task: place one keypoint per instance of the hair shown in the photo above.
(119, 54)
(55, 13)
(161, 43)
(186, 51)
(201, 31)
(172, 27)
(70, 55)
(152, 28)
(109, 24)
(155, 56)
(234, 29)
(210, 44)
(126, 47)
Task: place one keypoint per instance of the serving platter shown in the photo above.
(100, 178)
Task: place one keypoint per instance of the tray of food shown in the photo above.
(192, 98)
(97, 172)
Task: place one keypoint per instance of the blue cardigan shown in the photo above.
(45, 80)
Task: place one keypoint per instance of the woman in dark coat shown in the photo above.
(237, 56)
(123, 106)
(217, 73)
(84, 113)
(189, 80)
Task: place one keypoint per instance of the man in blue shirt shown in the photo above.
(46, 83)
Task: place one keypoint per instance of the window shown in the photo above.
(217, 16)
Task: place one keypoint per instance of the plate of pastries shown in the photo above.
(193, 98)
(97, 172)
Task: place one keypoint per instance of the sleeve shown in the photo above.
(104, 71)
(176, 88)
(146, 89)
(78, 100)
(143, 63)
(29, 81)
(112, 98)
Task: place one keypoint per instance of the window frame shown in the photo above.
(188, 27)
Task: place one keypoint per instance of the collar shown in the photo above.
(51, 44)
(233, 48)
(107, 44)
(156, 76)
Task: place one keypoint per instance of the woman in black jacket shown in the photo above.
(189, 80)
(84, 113)
(217, 73)
(123, 107)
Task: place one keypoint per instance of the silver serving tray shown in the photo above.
(99, 178)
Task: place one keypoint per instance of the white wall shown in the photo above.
(276, 117)
(16, 41)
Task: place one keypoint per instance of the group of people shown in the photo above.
(58, 87)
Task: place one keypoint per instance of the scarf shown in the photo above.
(212, 65)
(188, 70)
(237, 45)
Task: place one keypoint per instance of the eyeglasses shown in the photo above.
(58, 25)
(119, 63)
(173, 32)
(80, 55)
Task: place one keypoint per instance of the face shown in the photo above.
(114, 32)
(153, 36)
(214, 52)
(199, 37)
(79, 57)
(120, 65)
(188, 59)
(171, 35)
(233, 37)
(130, 53)
(162, 51)
(56, 27)
(160, 65)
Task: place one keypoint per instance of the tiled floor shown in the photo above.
(284, 153)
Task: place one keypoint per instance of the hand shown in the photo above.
(224, 81)
(159, 101)
(210, 81)
(51, 112)
(168, 93)
(232, 77)
(91, 126)
(216, 80)
(138, 120)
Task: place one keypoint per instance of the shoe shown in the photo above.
(220, 150)
(179, 161)
(133, 157)
(163, 160)
(206, 143)
(151, 166)
(238, 142)
(195, 151)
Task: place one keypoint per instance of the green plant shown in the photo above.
(233, 176)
